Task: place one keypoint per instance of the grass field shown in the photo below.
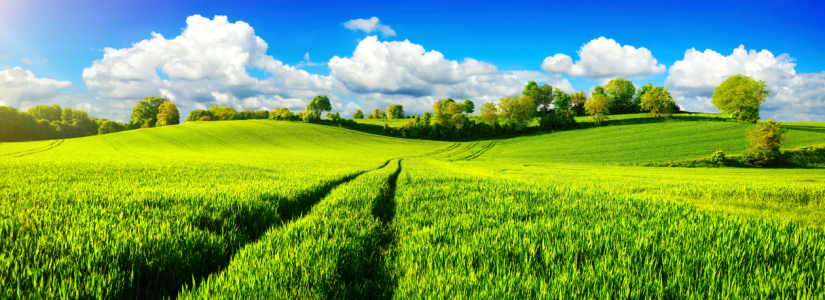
(265, 209)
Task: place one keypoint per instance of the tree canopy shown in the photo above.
(489, 113)
(377, 114)
(620, 94)
(395, 111)
(657, 101)
(45, 112)
(578, 99)
(597, 107)
(168, 114)
(358, 114)
(740, 97)
(562, 101)
(542, 95)
(518, 111)
(318, 104)
(146, 111)
(468, 106)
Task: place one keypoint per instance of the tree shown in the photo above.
(318, 104)
(578, 99)
(562, 101)
(597, 107)
(543, 96)
(518, 111)
(740, 96)
(377, 114)
(222, 113)
(358, 114)
(168, 114)
(598, 90)
(449, 113)
(620, 94)
(765, 141)
(146, 111)
(110, 127)
(641, 92)
(45, 112)
(395, 111)
(468, 106)
(489, 113)
(198, 114)
(657, 100)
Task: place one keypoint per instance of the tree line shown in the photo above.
(738, 96)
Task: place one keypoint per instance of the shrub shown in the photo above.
(718, 158)
(765, 141)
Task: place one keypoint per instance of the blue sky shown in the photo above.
(57, 40)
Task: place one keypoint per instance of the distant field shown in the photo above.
(271, 209)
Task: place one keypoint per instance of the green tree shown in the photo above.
(620, 94)
(377, 114)
(542, 95)
(168, 114)
(198, 114)
(489, 113)
(358, 114)
(641, 92)
(468, 106)
(110, 127)
(657, 101)
(765, 141)
(740, 97)
(597, 107)
(578, 99)
(45, 112)
(598, 90)
(318, 104)
(562, 101)
(146, 111)
(395, 111)
(222, 113)
(518, 111)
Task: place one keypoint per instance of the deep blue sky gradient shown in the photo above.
(511, 35)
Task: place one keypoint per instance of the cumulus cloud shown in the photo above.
(369, 25)
(206, 64)
(383, 73)
(793, 96)
(604, 58)
(18, 86)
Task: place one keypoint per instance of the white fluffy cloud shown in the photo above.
(207, 64)
(604, 58)
(369, 25)
(405, 68)
(18, 86)
(793, 96)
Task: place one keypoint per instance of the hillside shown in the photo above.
(269, 209)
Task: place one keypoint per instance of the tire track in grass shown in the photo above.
(291, 209)
(52, 146)
(478, 153)
(33, 149)
(339, 250)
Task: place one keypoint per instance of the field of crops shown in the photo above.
(265, 209)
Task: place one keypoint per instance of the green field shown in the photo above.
(270, 209)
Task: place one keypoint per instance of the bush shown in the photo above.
(558, 119)
(765, 142)
(718, 158)
(311, 117)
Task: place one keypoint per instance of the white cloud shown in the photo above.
(407, 69)
(207, 64)
(308, 62)
(18, 85)
(27, 61)
(604, 58)
(794, 97)
(369, 25)
(555, 80)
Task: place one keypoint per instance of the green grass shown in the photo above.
(265, 209)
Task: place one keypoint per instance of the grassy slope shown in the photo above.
(653, 142)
